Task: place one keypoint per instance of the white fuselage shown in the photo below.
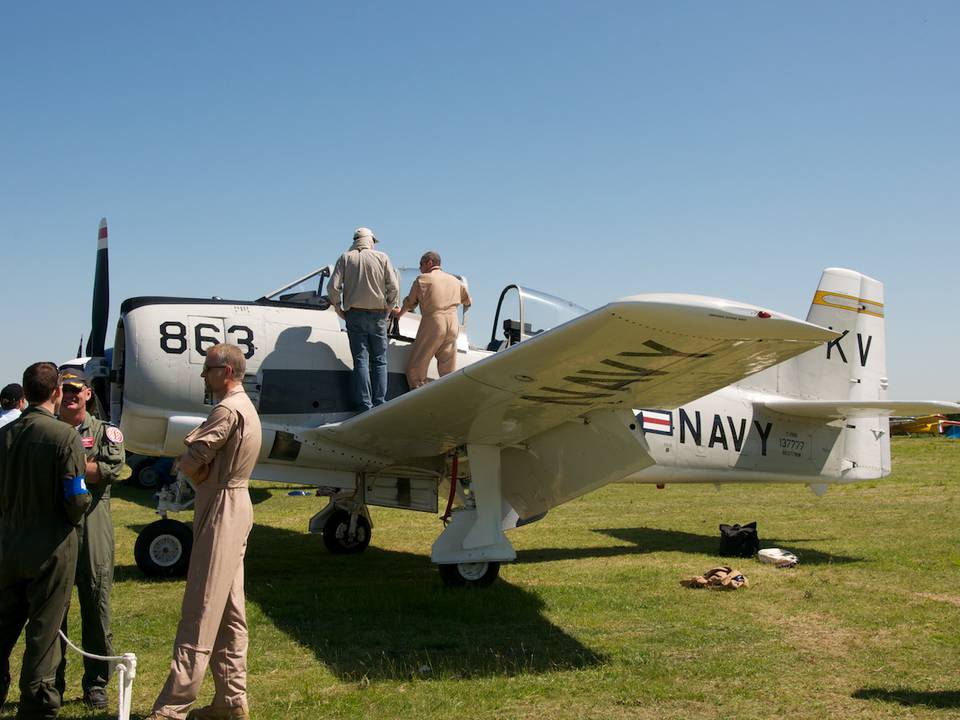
(298, 375)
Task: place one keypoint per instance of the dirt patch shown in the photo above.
(949, 599)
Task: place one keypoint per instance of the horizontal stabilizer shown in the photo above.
(847, 408)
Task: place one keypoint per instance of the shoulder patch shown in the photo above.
(113, 434)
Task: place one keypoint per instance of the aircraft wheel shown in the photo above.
(471, 575)
(335, 534)
(146, 475)
(163, 549)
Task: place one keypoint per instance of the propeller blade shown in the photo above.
(101, 296)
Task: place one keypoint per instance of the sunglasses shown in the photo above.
(208, 368)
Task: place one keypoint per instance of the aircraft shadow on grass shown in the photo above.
(649, 540)
(385, 615)
(941, 699)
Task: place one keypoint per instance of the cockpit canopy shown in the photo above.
(521, 312)
(525, 312)
(307, 290)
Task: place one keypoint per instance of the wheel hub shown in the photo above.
(165, 550)
(472, 572)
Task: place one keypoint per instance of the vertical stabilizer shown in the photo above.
(854, 366)
(851, 368)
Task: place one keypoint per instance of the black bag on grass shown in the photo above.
(739, 540)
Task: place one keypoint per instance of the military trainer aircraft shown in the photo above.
(649, 388)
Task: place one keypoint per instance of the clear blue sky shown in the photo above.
(591, 150)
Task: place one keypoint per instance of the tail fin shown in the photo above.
(854, 366)
(849, 370)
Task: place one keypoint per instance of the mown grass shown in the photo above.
(591, 622)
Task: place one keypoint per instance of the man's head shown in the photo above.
(41, 384)
(11, 397)
(76, 395)
(362, 232)
(224, 368)
(429, 260)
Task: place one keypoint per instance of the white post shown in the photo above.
(126, 672)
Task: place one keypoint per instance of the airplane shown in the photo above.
(655, 388)
(926, 424)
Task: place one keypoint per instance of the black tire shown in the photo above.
(163, 549)
(470, 575)
(145, 474)
(335, 534)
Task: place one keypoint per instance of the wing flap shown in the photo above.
(643, 351)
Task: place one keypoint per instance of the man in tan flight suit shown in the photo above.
(221, 454)
(437, 293)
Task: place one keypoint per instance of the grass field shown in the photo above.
(591, 621)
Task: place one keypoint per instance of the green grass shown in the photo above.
(591, 621)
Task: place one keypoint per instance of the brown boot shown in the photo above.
(235, 712)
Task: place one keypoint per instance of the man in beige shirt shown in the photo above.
(363, 289)
(220, 457)
(437, 293)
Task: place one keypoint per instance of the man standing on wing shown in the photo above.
(221, 454)
(364, 291)
(437, 293)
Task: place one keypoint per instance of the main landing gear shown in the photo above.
(344, 524)
(345, 534)
(469, 551)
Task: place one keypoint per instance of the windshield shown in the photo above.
(307, 290)
(525, 312)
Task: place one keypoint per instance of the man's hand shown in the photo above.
(92, 473)
(193, 469)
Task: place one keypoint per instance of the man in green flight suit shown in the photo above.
(43, 498)
(103, 445)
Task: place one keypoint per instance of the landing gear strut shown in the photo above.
(469, 551)
(163, 547)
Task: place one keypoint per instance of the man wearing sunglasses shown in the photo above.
(221, 454)
(105, 457)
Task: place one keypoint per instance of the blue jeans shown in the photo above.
(367, 331)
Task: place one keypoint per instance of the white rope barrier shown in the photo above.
(126, 672)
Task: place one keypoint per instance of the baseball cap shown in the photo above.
(73, 376)
(364, 232)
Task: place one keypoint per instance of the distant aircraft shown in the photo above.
(650, 388)
(926, 425)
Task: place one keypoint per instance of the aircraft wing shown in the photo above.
(642, 351)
